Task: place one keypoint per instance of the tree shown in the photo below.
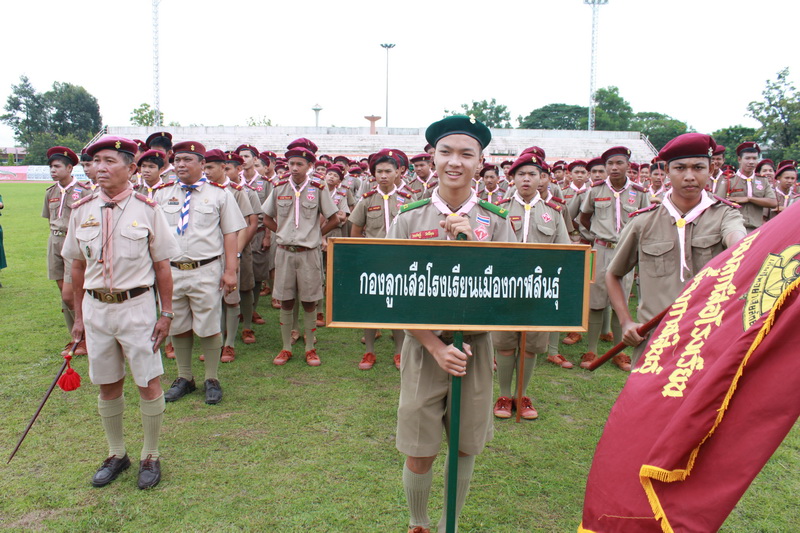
(490, 113)
(779, 115)
(73, 111)
(259, 121)
(612, 112)
(731, 137)
(26, 111)
(556, 117)
(144, 115)
(42, 142)
(658, 127)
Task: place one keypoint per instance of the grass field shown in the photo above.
(290, 448)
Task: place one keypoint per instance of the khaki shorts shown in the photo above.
(298, 275)
(261, 263)
(424, 407)
(196, 300)
(58, 267)
(115, 332)
(246, 279)
(535, 341)
(598, 292)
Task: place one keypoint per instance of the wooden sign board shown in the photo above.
(457, 285)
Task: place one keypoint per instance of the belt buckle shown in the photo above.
(185, 266)
(111, 298)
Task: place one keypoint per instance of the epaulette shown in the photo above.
(215, 184)
(496, 209)
(344, 186)
(598, 183)
(644, 210)
(404, 194)
(431, 184)
(726, 201)
(414, 205)
(638, 187)
(549, 203)
(53, 186)
(145, 199)
(370, 193)
(236, 186)
(559, 200)
(318, 184)
(84, 200)
(504, 201)
(282, 182)
(87, 184)
(163, 184)
(565, 187)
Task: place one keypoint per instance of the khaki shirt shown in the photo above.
(651, 241)
(600, 202)
(421, 189)
(493, 197)
(423, 223)
(753, 214)
(53, 199)
(369, 212)
(546, 222)
(261, 186)
(140, 237)
(242, 199)
(313, 201)
(718, 187)
(574, 200)
(212, 213)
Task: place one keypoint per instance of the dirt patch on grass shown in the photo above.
(33, 521)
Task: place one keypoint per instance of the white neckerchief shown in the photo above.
(681, 221)
(618, 200)
(490, 193)
(64, 194)
(576, 189)
(151, 189)
(386, 197)
(785, 196)
(748, 181)
(659, 191)
(526, 221)
(297, 200)
(443, 209)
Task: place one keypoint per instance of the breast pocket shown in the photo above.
(655, 259)
(547, 232)
(309, 209)
(172, 214)
(284, 208)
(704, 247)
(89, 241)
(205, 216)
(134, 241)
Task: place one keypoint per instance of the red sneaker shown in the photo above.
(559, 360)
(282, 357)
(367, 361)
(228, 354)
(258, 320)
(502, 408)
(587, 358)
(572, 338)
(169, 351)
(276, 304)
(418, 529)
(607, 337)
(312, 359)
(623, 361)
(397, 361)
(525, 408)
(248, 336)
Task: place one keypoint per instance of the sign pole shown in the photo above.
(521, 372)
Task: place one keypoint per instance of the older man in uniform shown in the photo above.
(205, 222)
(429, 358)
(673, 240)
(119, 243)
(753, 193)
(58, 200)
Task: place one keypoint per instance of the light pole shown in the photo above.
(156, 91)
(388, 47)
(593, 69)
(316, 109)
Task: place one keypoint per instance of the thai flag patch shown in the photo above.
(483, 220)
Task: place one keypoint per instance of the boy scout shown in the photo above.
(424, 179)
(428, 360)
(717, 182)
(119, 243)
(657, 188)
(150, 165)
(672, 241)
(749, 191)
(573, 194)
(785, 180)
(58, 200)
(492, 190)
(205, 222)
(604, 212)
(372, 218)
(292, 211)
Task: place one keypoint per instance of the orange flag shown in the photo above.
(712, 397)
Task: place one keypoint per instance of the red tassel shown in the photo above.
(69, 380)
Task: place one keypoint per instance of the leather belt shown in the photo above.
(191, 265)
(117, 297)
(584, 241)
(606, 244)
(294, 248)
(59, 233)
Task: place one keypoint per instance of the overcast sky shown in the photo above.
(701, 61)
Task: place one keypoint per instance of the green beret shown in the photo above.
(459, 124)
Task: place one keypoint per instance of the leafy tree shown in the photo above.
(612, 112)
(73, 111)
(259, 121)
(26, 111)
(658, 127)
(144, 115)
(42, 142)
(779, 115)
(490, 113)
(731, 137)
(556, 117)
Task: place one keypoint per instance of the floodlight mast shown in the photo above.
(593, 67)
(387, 46)
(156, 91)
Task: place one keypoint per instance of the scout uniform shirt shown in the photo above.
(339, 198)
(422, 188)
(376, 211)
(718, 185)
(657, 196)
(574, 197)
(537, 221)
(260, 184)
(296, 209)
(754, 187)
(145, 189)
(784, 201)
(58, 205)
(610, 208)
(493, 197)
(212, 212)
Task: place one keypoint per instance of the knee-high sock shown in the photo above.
(616, 328)
(606, 320)
(552, 343)
(211, 348)
(466, 465)
(369, 340)
(231, 324)
(183, 355)
(399, 337)
(595, 323)
(256, 292)
(418, 491)
(69, 317)
(505, 373)
(286, 328)
(247, 309)
(309, 326)
(111, 416)
(152, 415)
(296, 316)
(530, 364)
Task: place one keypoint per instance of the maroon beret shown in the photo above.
(507, 162)
(250, 147)
(216, 156)
(120, 144)
(688, 145)
(749, 145)
(720, 150)
(421, 157)
(427, 147)
(528, 158)
(363, 163)
(403, 158)
(489, 167)
(355, 169)
(763, 162)
(339, 169)
(232, 157)
(386, 152)
(189, 147)
(576, 163)
(559, 165)
(615, 150)
(63, 151)
(342, 158)
(535, 150)
(325, 157)
(153, 154)
(140, 144)
(595, 162)
(281, 165)
(299, 151)
(267, 156)
(785, 168)
(634, 166)
(323, 163)
(791, 162)
(302, 142)
(156, 135)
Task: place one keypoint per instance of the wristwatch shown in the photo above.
(238, 255)
(168, 315)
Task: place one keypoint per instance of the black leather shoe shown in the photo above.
(213, 392)
(149, 472)
(110, 469)
(180, 388)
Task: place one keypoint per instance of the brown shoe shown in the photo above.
(248, 336)
(295, 336)
(276, 304)
(559, 360)
(502, 407)
(81, 348)
(397, 361)
(202, 357)
(169, 351)
(526, 409)
(572, 338)
(282, 358)
(587, 359)
(312, 359)
(228, 354)
(418, 529)
(367, 362)
(265, 291)
(320, 320)
(607, 337)
(622, 361)
(258, 320)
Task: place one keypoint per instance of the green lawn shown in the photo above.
(290, 448)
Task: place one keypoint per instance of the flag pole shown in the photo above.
(521, 372)
(642, 330)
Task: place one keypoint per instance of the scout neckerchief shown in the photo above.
(184, 223)
(580, 189)
(490, 193)
(443, 209)
(681, 221)
(167, 170)
(528, 207)
(151, 189)
(64, 194)
(786, 196)
(386, 213)
(297, 199)
(715, 182)
(108, 231)
(659, 191)
(618, 200)
(748, 181)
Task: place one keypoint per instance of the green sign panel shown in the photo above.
(457, 285)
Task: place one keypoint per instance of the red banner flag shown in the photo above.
(712, 397)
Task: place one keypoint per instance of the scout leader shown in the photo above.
(748, 190)
(58, 200)
(672, 241)
(492, 190)
(205, 222)
(120, 244)
(604, 212)
(534, 221)
(372, 218)
(429, 357)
